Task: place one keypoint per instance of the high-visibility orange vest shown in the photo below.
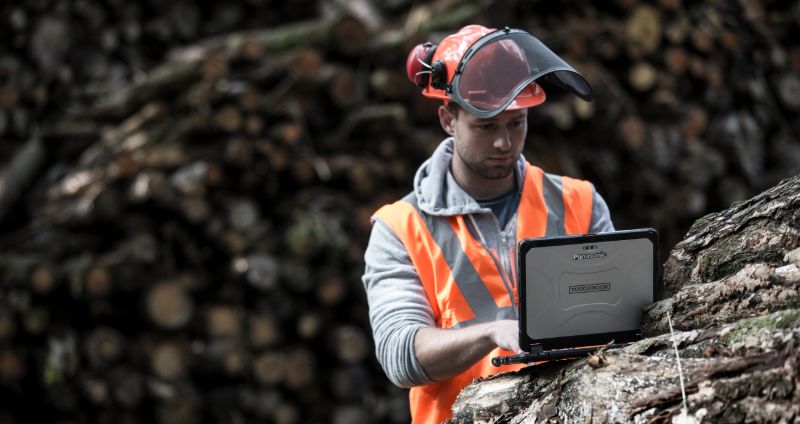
(464, 292)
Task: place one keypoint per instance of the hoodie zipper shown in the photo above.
(505, 260)
(498, 259)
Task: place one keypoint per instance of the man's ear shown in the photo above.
(446, 119)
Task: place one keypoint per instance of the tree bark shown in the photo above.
(761, 229)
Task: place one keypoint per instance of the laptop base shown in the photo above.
(549, 355)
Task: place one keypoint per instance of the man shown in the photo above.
(440, 266)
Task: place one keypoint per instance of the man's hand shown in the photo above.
(445, 353)
(505, 335)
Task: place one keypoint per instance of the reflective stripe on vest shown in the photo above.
(460, 279)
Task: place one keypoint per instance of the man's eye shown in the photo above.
(516, 124)
(486, 127)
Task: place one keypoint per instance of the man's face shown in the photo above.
(488, 147)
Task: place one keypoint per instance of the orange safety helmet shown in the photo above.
(487, 71)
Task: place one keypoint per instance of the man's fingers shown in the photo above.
(505, 335)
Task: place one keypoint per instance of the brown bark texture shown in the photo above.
(736, 320)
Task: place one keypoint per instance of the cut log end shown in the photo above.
(169, 306)
(350, 35)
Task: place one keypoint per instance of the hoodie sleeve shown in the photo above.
(398, 307)
(601, 217)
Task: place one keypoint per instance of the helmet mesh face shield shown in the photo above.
(499, 66)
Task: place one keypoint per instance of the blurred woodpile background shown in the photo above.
(185, 187)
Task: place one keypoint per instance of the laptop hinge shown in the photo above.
(536, 348)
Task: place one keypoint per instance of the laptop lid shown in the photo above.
(585, 290)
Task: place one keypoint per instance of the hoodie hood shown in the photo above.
(437, 191)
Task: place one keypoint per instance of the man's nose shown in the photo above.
(503, 141)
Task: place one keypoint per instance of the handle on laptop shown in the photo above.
(560, 354)
(522, 358)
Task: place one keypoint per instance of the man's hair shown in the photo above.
(453, 107)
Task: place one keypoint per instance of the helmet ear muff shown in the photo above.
(419, 68)
(439, 75)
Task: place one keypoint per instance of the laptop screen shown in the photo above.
(582, 290)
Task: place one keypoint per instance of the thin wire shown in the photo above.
(422, 62)
(680, 371)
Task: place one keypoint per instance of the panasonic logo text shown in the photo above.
(585, 256)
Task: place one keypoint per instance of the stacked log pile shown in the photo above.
(200, 257)
(695, 102)
(692, 108)
(186, 187)
(735, 310)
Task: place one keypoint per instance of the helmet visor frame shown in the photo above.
(500, 65)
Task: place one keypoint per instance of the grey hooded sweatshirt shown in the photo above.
(398, 307)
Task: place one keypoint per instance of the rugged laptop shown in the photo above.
(579, 292)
